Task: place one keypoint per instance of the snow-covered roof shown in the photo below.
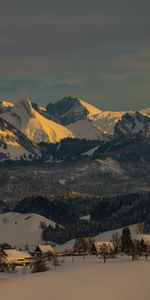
(12, 255)
(99, 245)
(46, 248)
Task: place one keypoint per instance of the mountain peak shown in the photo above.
(70, 110)
(35, 126)
(132, 124)
(26, 105)
(92, 110)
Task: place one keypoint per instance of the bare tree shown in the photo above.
(116, 241)
(39, 265)
(80, 245)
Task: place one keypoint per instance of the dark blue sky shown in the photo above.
(95, 50)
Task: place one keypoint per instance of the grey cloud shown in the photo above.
(93, 44)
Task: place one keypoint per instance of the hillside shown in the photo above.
(19, 230)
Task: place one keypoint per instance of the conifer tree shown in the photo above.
(126, 240)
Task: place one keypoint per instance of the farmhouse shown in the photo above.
(98, 247)
(12, 256)
(45, 250)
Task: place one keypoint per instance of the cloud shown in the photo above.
(52, 48)
(116, 77)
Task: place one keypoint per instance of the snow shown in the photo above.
(65, 247)
(135, 122)
(97, 125)
(86, 218)
(107, 236)
(19, 230)
(4, 103)
(89, 278)
(110, 165)
(13, 150)
(99, 245)
(85, 129)
(92, 110)
(34, 125)
(46, 248)
(62, 181)
(42, 108)
(100, 124)
(145, 111)
(106, 121)
(90, 152)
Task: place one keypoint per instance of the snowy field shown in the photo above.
(21, 229)
(89, 278)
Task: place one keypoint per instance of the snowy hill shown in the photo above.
(107, 236)
(36, 127)
(13, 143)
(20, 229)
(135, 233)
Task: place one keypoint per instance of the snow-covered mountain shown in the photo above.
(68, 118)
(134, 123)
(83, 119)
(14, 144)
(36, 127)
(86, 121)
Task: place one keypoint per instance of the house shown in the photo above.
(12, 256)
(98, 247)
(45, 250)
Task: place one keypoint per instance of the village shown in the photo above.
(46, 255)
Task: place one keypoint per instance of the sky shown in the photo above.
(95, 50)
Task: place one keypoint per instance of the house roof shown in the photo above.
(46, 248)
(98, 245)
(14, 255)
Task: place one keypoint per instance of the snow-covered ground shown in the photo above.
(88, 278)
(19, 230)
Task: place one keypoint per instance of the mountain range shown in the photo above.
(24, 125)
